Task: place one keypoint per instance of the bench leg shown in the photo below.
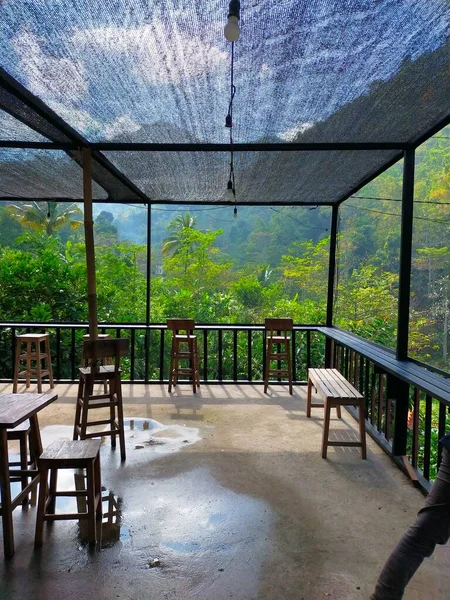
(326, 429)
(362, 430)
(308, 398)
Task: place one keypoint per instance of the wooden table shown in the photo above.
(14, 410)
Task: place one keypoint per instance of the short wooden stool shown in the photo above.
(337, 392)
(70, 455)
(33, 357)
(277, 335)
(95, 351)
(184, 349)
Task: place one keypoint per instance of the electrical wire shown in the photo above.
(393, 214)
(399, 200)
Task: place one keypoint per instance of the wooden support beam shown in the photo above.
(89, 241)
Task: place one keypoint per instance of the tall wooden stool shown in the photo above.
(95, 351)
(70, 455)
(33, 357)
(185, 349)
(277, 334)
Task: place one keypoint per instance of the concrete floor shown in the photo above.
(227, 492)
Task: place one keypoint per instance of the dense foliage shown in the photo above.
(267, 262)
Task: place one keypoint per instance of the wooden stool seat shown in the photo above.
(337, 392)
(33, 354)
(184, 348)
(281, 352)
(80, 454)
(93, 352)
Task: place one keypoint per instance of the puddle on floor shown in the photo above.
(145, 439)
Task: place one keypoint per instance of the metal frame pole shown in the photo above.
(405, 255)
(148, 291)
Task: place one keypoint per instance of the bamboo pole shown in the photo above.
(89, 241)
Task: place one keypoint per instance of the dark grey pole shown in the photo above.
(147, 303)
(405, 255)
(331, 279)
(399, 389)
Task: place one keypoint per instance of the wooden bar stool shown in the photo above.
(70, 455)
(100, 336)
(95, 351)
(33, 357)
(185, 349)
(277, 334)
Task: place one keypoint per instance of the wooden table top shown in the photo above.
(16, 408)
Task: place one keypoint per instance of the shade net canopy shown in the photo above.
(40, 174)
(305, 71)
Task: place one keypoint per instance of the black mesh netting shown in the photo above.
(324, 71)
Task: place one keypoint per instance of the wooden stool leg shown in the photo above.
(266, 374)
(112, 408)
(43, 485)
(362, 429)
(80, 396)
(326, 428)
(23, 442)
(17, 366)
(289, 364)
(192, 365)
(85, 408)
(171, 366)
(39, 367)
(49, 362)
(28, 364)
(91, 513)
(118, 385)
(98, 486)
(308, 398)
(51, 506)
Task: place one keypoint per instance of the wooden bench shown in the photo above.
(337, 392)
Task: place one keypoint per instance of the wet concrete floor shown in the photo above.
(223, 495)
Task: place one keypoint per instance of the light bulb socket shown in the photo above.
(235, 212)
(229, 121)
(234, 9)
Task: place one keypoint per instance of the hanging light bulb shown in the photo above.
(235, 213)
(230, 191)
(232, 29)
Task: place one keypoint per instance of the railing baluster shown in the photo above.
(416, 423)
(308, 350)
(427, 444)
(146, 354)
(205, 355)
(72, 353)
(294, 354)
(441, 429)
(380, 400)
(13, 350)
(58, 353)
(161, 355)
(220, 357)
(132, 353)
(235, 354)
(249, 355)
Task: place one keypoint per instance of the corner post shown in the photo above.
(405, 254)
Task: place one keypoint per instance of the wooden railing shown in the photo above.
(407, 403)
